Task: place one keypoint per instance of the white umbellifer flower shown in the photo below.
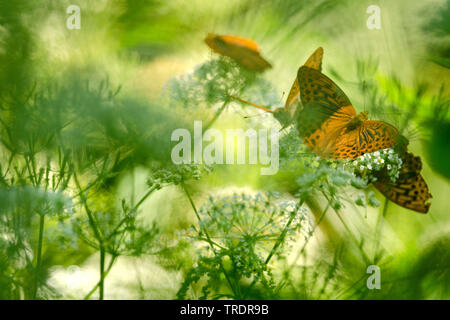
(376, 153)
(389, 167)
(369, 166)
(361, 168)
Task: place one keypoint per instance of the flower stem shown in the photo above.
(379, 228)
(277, 244)
(105, 273)
(102, 273)
(211, 243)
(327, 228)
(216, 116)
(38, 255)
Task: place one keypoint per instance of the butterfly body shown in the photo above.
(357, 121)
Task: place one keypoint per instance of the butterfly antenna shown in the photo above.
(250, 103)
(255, 115)
(282, 97)
(364, 95)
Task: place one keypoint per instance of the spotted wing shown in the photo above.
(326, 110)
(313, 62)
(410, 190)
(369, 137)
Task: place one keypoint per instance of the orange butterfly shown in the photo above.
(244, 51)
(330, 127)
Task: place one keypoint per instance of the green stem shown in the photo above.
(280, 238)
(105, 273)
(327, 228)
(210, 242)
(38, 255)
(302, 250)
(91, 219)
(102, 273)
(149, 192)
(276, 245)
(98, 236)
(379, 227)
(216, 116)
(350, 233)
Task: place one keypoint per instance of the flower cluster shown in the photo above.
(212, 82)
(36, 200)
(314, 174)
(367, 165)
(175, 174)
(255, 220)
(241, 230)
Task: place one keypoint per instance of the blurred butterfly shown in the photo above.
(243, 50)
(331, 128)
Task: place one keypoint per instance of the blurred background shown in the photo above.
(92, 207)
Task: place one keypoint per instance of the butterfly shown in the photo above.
(329, 124)
(243, 50)
(331, 128)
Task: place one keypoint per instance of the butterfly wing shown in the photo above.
(369, 137)
(243, 50)
(317, 91)
(253, 61)
(326, 110)
(313, 62)
(410, 190)
(240, 42)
